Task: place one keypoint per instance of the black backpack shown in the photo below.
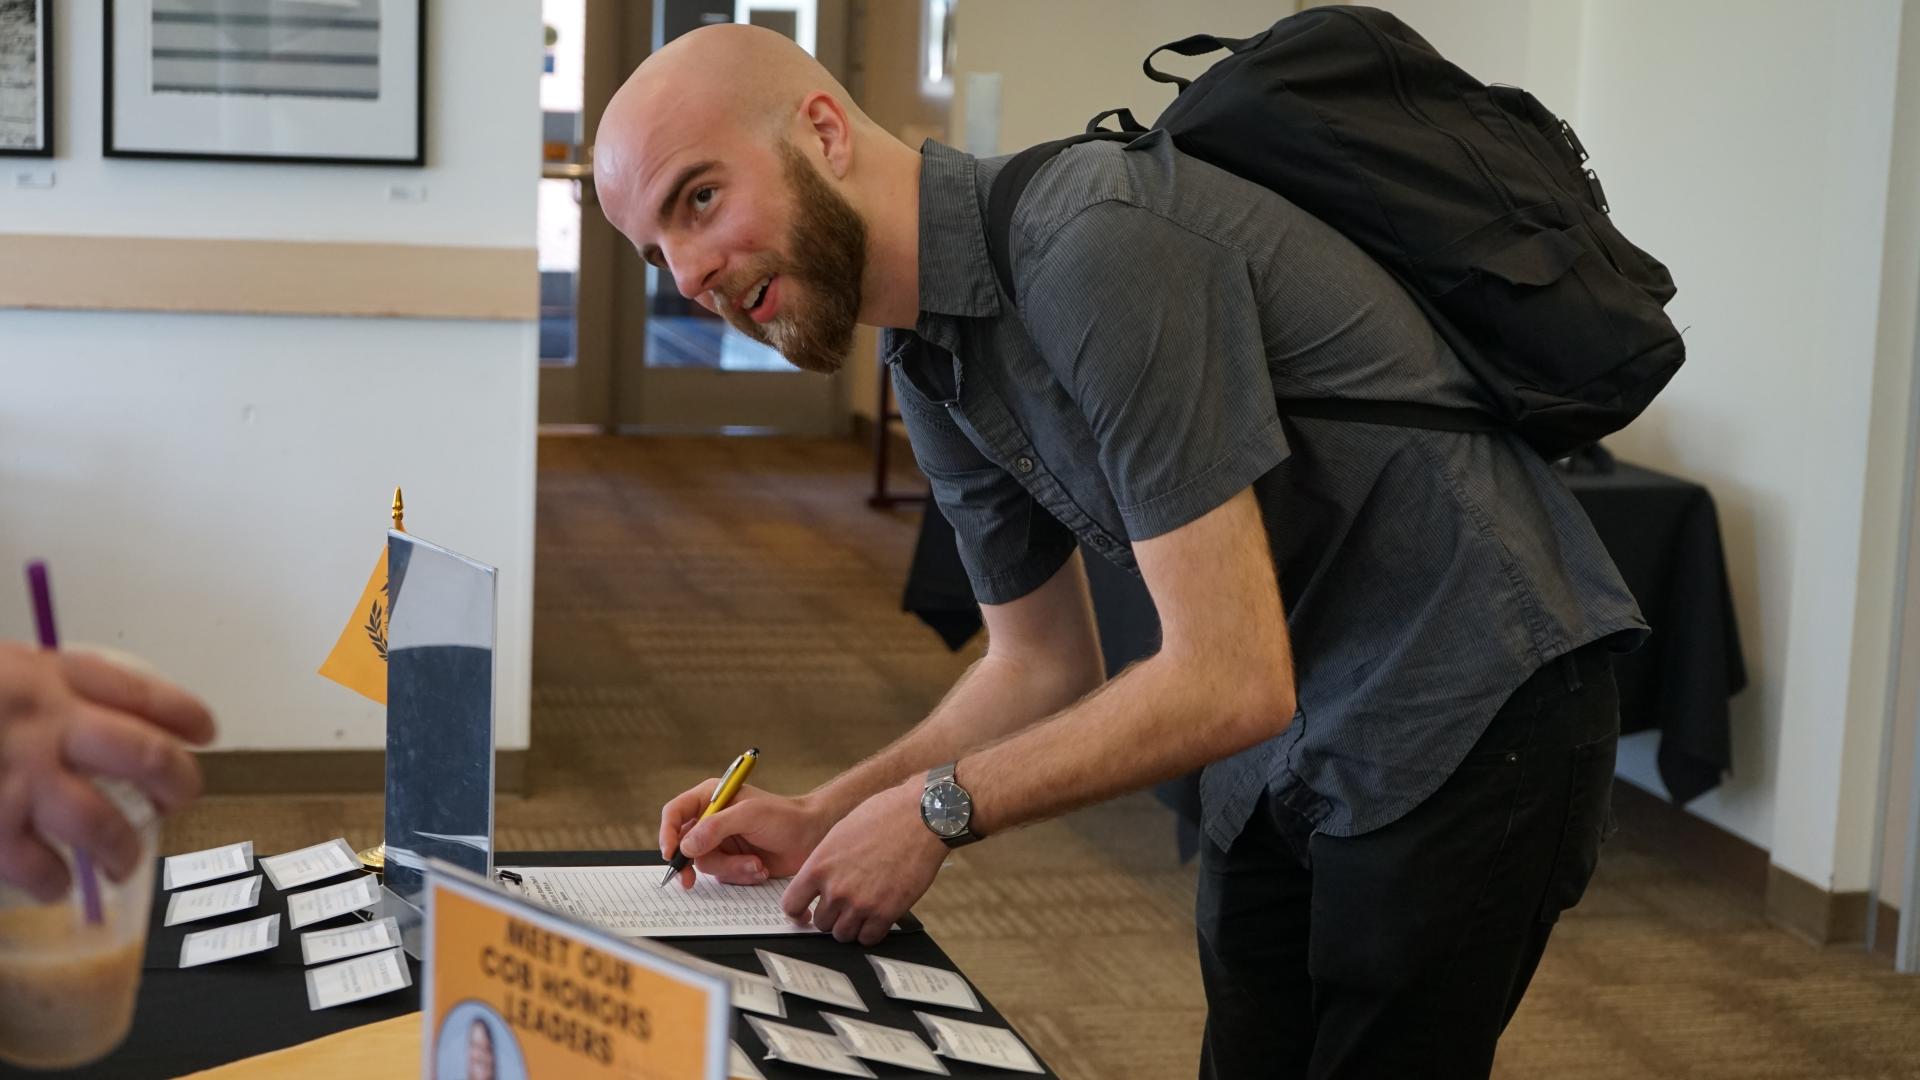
(1475, 197)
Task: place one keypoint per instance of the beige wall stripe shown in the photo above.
(267, 277)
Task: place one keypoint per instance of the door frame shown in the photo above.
(610, 388)
(582, 396)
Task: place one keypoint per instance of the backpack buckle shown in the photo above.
(1566, 132)
(1598, 193)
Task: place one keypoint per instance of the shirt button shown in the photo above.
(1512, 758)
(1023, 463)
(1102, 542)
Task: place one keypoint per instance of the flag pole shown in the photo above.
(375, 857)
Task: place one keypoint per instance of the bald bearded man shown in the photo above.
(1407, 760)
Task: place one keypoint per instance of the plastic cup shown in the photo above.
(67, 985)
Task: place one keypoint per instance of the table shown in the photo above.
(1663, 534)
(195, 1019)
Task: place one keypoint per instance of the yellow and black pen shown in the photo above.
(730, 783)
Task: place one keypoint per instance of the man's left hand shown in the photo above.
(871, 867)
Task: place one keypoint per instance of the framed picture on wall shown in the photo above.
(26, 77)
(328, 82)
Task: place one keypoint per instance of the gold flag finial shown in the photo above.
(375, 857)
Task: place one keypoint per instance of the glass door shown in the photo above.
(692, 372)
(620, 349)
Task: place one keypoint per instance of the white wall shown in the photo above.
(1756, 164)
(212, 490)
(1060, 63)
(1529, 43)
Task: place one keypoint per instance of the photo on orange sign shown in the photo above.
(475, 1043)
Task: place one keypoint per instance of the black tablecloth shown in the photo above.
(1663, 534)
(206, 1016)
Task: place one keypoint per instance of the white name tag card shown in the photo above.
(811, 980)
(798, 1046)
(227, 942)
(331, 901)
(196, 867)
(877, 1042)
(979, 1044)
(752, 991)
(928, 985)
(293, 869)
(322, 946)
(357, 979)
(225, 898)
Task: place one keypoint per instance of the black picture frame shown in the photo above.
(43, 24)
(417, 159)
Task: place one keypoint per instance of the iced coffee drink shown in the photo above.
(67, 983)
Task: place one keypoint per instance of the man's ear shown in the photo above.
(829, 132)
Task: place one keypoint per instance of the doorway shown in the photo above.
(620, 350)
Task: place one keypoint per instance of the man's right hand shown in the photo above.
(64, 719)
(758, 836)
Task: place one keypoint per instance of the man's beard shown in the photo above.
(827, 255)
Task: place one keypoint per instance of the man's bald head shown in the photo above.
(725, 83)
(731, 73)
(729, 160)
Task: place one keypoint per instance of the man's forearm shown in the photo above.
(996, 697)
(1161, 718)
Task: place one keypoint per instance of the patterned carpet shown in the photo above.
(696, 595)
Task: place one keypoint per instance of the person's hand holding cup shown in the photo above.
(89, 750)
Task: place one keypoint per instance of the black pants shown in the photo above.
(1404, 951)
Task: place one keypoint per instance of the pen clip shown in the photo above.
(724, 777)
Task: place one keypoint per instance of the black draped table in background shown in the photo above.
(201, 1017)
(1663, 534)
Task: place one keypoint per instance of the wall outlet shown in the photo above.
(33, 178)
(407, 193)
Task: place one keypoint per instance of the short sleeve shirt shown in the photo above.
(1164, 307)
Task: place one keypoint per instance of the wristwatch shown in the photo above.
(947, 808)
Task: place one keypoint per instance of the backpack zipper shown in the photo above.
(1399, 90)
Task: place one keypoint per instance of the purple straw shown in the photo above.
(50, 639)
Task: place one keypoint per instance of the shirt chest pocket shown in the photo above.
(925, 376)
(942, 449)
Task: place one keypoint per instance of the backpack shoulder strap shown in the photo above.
(1004, 196)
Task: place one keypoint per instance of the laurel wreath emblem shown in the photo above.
(376, 627)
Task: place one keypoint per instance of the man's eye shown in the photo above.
(703, 198)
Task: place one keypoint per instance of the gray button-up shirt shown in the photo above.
(1163, 307)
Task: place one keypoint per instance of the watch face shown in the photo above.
(946, 807)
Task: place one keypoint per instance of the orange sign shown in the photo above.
(512, 990)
